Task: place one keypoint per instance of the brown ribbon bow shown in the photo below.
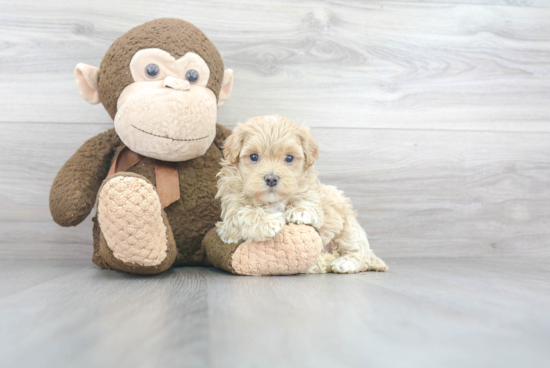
(166, 174)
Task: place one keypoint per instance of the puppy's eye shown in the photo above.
(152, 70)
(289, 158)
(254, 157)
(192, 76)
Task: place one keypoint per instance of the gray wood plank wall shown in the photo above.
(434, 117)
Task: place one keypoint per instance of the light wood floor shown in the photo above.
(432, 116)
(423, 313)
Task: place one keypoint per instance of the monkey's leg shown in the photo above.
(135, 234)
(293, 250)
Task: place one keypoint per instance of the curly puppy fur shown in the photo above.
(252, 209)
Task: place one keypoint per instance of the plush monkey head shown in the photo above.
(161, 83)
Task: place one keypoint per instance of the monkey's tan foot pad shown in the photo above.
(293, 250)
(133, 225)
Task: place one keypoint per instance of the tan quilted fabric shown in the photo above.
(129, 215)
(292, 251)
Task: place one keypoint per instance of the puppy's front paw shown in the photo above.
(230, 239)
(301, 216)
(228, 234)
(272, 227)
(345, 264)
(266, 228)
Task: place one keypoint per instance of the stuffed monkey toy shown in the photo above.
(153, 177)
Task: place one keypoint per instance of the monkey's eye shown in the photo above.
(289, 158)
(192, 76)
(152, 70)
(254, 157)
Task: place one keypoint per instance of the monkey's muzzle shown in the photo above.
(177, 84)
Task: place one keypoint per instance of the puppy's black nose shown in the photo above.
(271, 180)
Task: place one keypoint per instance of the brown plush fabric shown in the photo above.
(107, 259)
(220, 254)
(194, 214)
(124, 160)
(75, 187)
(114, 71)
(221, 134)
(96, 256)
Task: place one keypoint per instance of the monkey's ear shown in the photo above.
(87, 78)
(310, 146)
(227, 85)
(233, 144)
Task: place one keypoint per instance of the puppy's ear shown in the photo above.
(309, 145)
(233, 144)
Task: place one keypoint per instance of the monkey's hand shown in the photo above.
(75, 187)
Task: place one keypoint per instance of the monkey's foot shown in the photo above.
(136, 235)
(293, 250)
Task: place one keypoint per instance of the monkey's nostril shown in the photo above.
(176, 83)
(271, 180)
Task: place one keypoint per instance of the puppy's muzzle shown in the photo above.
(271, 180)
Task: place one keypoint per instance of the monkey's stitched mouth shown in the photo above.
(174, 139)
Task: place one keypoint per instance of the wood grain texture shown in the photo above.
(432, 116)
(406, 65)
(423, 313)
(524, 3)
(419, 193)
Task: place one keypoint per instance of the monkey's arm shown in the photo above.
(75, 187)
(221, 134)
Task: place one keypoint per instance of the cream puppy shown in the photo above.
(268, 180)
